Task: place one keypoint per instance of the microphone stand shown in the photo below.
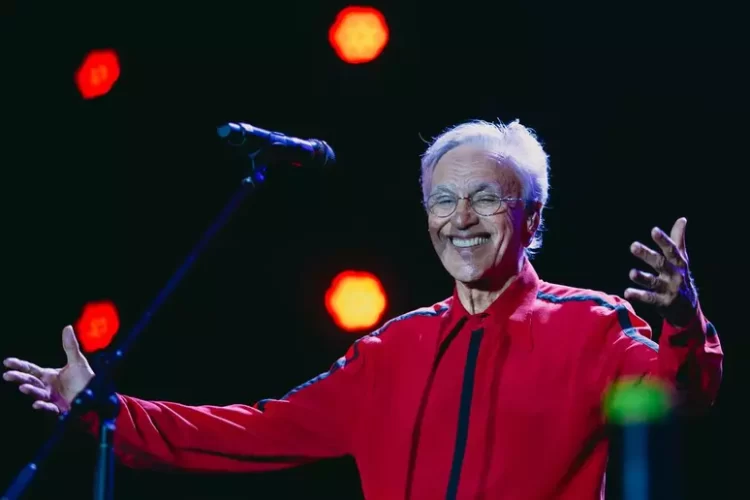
(99, 395)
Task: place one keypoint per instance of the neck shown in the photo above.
(478, 297)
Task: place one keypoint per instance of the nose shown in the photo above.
(464, 216)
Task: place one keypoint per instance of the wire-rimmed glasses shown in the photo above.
(484, 204)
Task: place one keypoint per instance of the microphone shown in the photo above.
(278, 147)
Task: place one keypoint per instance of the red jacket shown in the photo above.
(439, 403)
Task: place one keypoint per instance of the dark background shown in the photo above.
(641, 107)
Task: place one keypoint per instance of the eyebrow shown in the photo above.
(482, 186)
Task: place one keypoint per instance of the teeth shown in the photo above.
(469, 242)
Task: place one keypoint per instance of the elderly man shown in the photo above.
(494, 392)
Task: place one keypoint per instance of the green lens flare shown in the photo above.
(637, 400)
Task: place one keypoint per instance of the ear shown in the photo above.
(533, 219)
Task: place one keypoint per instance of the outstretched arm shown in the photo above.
(316, 420)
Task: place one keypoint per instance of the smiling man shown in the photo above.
(478, 234)
(495, 392)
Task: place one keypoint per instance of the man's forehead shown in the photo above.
(495, 176)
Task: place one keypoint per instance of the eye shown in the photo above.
(485, 198)
(442, 200)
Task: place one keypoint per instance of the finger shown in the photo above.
(650, 257)
(22, 378)
(45, 406)
(651, 298)
(678, 234)
(24, 366)
(646, 280)
(14, 363)
(668, 247)
(34, 392)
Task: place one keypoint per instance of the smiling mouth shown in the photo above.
(472, 242)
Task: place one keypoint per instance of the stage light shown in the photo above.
(356, 300)
(97, 325)
(359, 34)
(98, 73)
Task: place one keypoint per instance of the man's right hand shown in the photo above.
(53, 389)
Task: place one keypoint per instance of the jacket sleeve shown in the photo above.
(688, 359)
(313, 421)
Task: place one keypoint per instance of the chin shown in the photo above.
(467, 273)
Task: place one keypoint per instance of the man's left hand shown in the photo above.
(671, 288)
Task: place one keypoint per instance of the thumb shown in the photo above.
(70, 345)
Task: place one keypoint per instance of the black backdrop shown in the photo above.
(640, 108)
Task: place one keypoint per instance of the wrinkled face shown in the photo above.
(478, 249)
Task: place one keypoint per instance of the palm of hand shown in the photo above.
(61, 385)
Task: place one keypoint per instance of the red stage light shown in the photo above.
(97, 325)
(98, 73)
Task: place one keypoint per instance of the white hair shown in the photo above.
(513, 144)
